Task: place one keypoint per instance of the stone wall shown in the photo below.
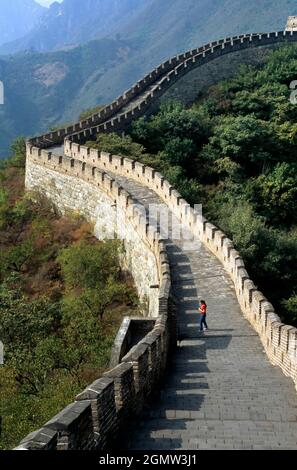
(187, 89)
(131, 332)
(102, 206)
(149, 100)
(279, 340)
(77, 181)
(145, 94)
(98, 415)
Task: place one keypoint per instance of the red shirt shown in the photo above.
(203, 309)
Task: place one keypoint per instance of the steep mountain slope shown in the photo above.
(72, 23)
(181, 23)
(161, 25)
(18, 17)
(39, 88)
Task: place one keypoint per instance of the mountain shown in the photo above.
(42, 90)
(167, 27)
(162, 26)
(74, 22)
(17, 18)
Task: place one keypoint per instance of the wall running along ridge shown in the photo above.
(97, 416)
(145, 94)
(73, 186)
(279, 340)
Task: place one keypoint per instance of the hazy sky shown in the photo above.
(46, 3)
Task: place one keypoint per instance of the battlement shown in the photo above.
(291, 23)
(279, 340)
(144, 95)
(98, 415)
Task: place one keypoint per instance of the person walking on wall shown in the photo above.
(202, 310)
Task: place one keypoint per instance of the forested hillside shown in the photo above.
(62, 299)
(42, 90)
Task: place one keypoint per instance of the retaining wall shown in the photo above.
(77, 181)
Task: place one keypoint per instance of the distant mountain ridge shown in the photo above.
(74, 22)
(161, 25)
(18, 17)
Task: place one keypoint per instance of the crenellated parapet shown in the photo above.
(279, 340)
(146, 93)
(76, 177)
(97, 416)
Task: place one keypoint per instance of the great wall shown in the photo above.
(234, 386)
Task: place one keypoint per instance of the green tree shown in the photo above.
(290, 306)
(245, 140)
(179, 152)
(118, 145)
(275, 194)
(4, 209)
(86, 265)
(18, 150)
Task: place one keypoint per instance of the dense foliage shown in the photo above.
(62, 298)
(235, 150)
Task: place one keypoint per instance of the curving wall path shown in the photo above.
(222, 390)
(145, 94)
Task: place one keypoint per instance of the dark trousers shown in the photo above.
(203, 322)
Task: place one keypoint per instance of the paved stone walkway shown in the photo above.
(221, 391)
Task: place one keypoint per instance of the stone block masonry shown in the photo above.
(145, 95)
(279, 340)
(98, 416)
(99, 413)
(94, 184)
(104, 206)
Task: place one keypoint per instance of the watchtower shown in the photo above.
(291, 23)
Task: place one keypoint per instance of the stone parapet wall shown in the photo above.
(113, 119)
(97, 416)
(132, 330)
(279, 340)
(77, 181)
(196, 58)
